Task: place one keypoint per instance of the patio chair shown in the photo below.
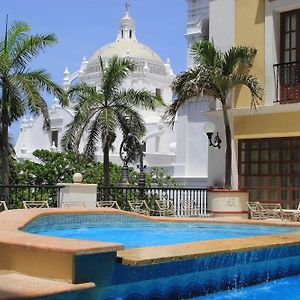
(291, 214)
(35, 204)
(165, 207)
(255, 210)
(140, 207)
(110, 204)
(271, 210)
(3, 206)
(73, 205)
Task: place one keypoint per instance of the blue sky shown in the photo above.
(83, 26)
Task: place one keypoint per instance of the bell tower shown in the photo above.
(127, 27)
(190, 168)
(197, 24)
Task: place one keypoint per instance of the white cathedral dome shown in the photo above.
(126, 45)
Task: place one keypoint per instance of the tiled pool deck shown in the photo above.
(30, 258)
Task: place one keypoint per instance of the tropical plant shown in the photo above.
(21, 87)
(59, 167)
(100, 111)
(216, 74)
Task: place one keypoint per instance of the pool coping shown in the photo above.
(15, 285)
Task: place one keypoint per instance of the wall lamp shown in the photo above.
(209, 129)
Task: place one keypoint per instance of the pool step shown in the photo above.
(15, 286)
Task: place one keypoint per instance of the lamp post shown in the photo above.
(128, 148)
(125, 157)
(209, 129)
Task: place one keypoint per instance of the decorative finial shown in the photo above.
(127, 7)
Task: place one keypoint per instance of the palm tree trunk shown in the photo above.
(106, 171)
(228, 153)
(4, 146)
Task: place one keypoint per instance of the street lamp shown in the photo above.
(209, 129)
(128, 150)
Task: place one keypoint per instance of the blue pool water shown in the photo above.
(287, 288)
(153, 234)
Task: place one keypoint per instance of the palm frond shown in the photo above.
(93, 139)
(130, 121)
(108, 126)
(25, 50)
(206, 54)
(141, 98)
(115, 73)
(41, 79)
(252, 83)
(238, 57)
(18, 31)
(75, 129)
(16, 108)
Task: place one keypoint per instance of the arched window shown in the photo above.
(205, 29)
(54, 137)
(122, 34)
(130, 34)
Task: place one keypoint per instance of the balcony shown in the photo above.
(287, 76)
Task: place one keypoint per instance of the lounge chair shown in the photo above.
(110, 204)
(271, 210)
(255, 210)
(3, 206)
(291, 214)
(259, 210)
(35, 204)
(165, 207)
(275, 211)
(140, 207)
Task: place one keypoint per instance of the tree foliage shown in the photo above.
(21, 87)
(216, 74)
(59, 167)
(101, 110)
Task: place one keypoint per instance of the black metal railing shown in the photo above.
(180, 197)
(19, 193)
(287, 79)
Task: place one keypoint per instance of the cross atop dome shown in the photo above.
(127, 5)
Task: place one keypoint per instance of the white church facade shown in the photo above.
(182, 151)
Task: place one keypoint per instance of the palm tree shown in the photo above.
(216, 74)
(21, 87)
(101, 110)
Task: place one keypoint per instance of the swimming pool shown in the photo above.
(145, 234)
(250, 255)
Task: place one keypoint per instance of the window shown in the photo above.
(54, 137)
(270, 169)
(289, 36)
(290, 56)
(158, 92)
